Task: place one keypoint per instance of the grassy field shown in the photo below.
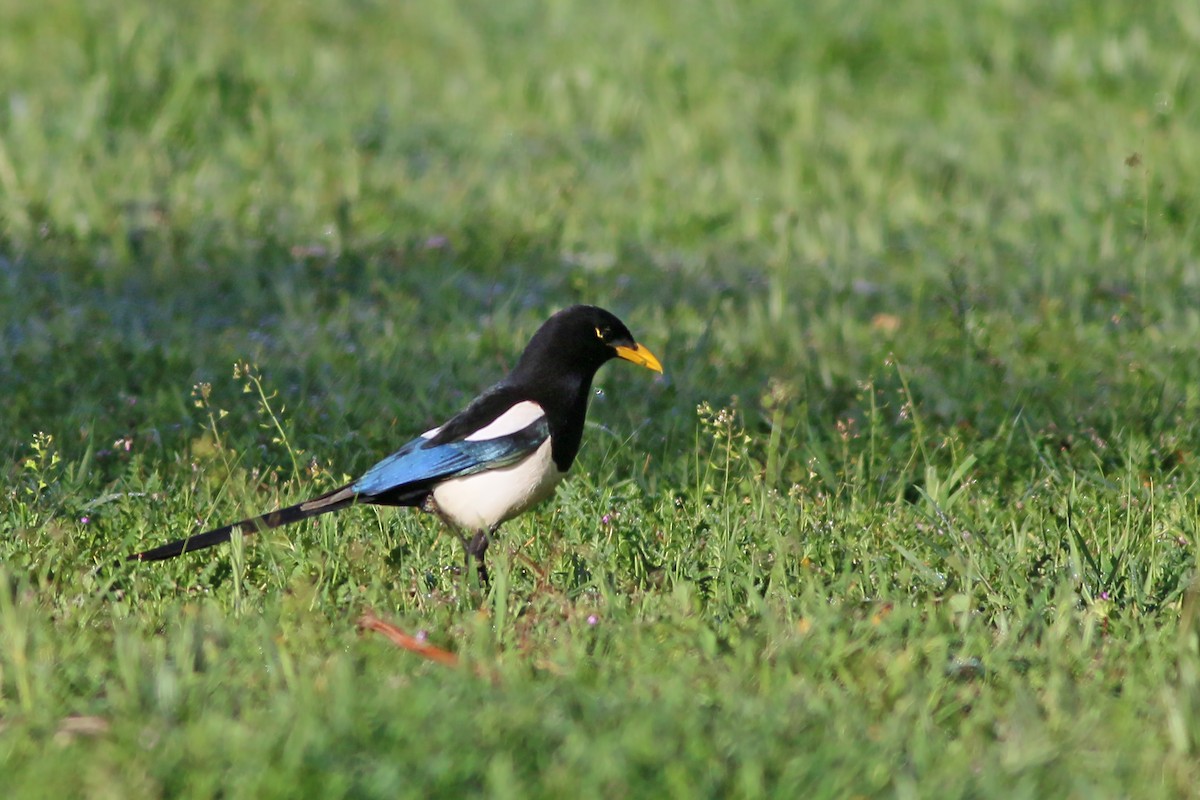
(913, 512)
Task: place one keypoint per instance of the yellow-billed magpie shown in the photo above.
(502, 454)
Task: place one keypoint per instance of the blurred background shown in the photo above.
(912, 512)
(803, 190)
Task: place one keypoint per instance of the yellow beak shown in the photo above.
(639, 355)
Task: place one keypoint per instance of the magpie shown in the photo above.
(502, 454)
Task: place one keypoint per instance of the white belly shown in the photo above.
(482, 501)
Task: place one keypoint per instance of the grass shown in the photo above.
(913, 513)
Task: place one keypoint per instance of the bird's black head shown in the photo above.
(558, 365)
(577, 341)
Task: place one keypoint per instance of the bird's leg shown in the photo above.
(476, 549)
(466, 546)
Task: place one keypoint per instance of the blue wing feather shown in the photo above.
(420, 461)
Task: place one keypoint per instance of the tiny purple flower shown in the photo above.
(85, 520)
(1104, 595)
(606, 519)
(422, 635)
(593, 619)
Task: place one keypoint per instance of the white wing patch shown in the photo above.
(517, 418)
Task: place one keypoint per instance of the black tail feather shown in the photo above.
(331, 501)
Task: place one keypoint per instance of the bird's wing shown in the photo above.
(425, 461)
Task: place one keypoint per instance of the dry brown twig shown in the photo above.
(369, 622)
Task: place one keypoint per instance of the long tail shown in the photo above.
(331, 501)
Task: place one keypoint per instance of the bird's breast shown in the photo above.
(485, 499)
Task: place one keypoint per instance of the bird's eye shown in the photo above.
(602, 333)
